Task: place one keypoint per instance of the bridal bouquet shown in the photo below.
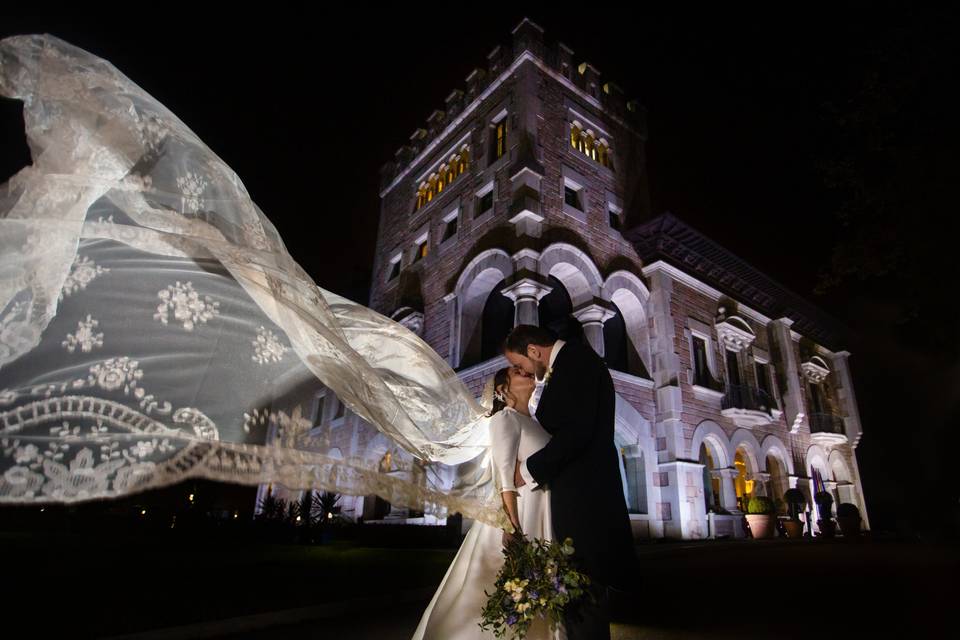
(537, 579)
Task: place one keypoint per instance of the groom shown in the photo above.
(580, 465)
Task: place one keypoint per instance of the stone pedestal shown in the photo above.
(728, 491)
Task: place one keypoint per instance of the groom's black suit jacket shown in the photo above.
(581, 466)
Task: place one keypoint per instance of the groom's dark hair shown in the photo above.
(524, 335)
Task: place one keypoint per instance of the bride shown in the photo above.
(454, 611)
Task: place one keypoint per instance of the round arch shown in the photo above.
(574, 269)
(474, 286)
(711, 434)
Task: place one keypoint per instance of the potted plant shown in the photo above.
(825, 507)
(760, 515)
(795, 502)
(848, 516)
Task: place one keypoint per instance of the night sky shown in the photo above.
(765, 130)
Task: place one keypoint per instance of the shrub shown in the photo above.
(760, 505)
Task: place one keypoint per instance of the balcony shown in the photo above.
(747, 406)
(827, 429)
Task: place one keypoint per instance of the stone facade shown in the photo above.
(539, 236)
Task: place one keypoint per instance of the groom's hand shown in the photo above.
(518, 480)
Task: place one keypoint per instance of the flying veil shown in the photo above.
(152, 322)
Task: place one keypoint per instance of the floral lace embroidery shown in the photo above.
(186, 304)
(267, 347)
(85, 337)
(82, 272)
(191, 187)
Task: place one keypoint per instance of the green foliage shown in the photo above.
(537, 579)
(761, 505)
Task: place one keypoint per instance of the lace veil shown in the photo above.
(153, 327)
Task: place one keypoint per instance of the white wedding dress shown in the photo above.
(454, 611)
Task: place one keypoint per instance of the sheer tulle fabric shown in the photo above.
(153, 326)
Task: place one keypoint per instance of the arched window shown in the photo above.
(447, 172)
(711, 485)
(778, 479)
(743, 483)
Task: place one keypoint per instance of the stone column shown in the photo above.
(592, 317)
(728, 492)
(788, 366)
(526, 294)
(761, 481)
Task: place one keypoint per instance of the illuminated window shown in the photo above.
(589, 145)
(446, 174)
(498, 138)
(420, 251)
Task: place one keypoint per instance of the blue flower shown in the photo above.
(534, 595)
(511, 620)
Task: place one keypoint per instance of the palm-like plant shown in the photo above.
(325, 505)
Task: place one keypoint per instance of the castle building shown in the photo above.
(524, 200)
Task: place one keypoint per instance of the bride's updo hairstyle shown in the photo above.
(500, 378)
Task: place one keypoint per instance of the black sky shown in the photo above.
(306, 105)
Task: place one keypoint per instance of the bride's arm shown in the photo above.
(510, 506)
(505, 435)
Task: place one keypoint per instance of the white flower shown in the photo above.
(143, 449)
(267, 347)
(26, 454)
(186, 304)
(117, 372)
(85, 337)
(83, 478)
(82, 272)
(20, 482)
